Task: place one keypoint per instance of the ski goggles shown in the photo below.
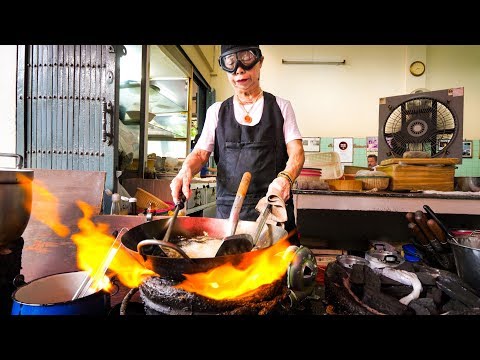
(247, 59)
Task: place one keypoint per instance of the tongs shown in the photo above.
(88, 281)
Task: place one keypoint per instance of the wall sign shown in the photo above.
(467, 149)
(344, 148)
(311, 143)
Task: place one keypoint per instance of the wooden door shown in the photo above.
(67, 103)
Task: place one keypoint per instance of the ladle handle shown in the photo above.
(261, 223)
(161, 244)
(238, 202)
(180, 205)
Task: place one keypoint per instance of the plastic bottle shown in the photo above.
(132, 210)
(116, 206)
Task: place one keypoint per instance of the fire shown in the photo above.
(47, 213)
(256, 269)
(95, 245)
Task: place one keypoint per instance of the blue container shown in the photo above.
(51, 295)
(411, 253)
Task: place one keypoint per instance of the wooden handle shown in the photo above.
(418, 233)
(410, 217)
(243, 187)
(421, 220)
(439, 222)
(437, 231)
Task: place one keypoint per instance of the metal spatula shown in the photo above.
(237, 243)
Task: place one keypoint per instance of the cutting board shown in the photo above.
(421, 161)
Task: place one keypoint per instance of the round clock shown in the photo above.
(417, 68)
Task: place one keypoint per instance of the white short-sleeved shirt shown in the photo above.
(290, 127)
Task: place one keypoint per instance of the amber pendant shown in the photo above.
(248, 119)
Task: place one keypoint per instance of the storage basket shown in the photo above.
(372, 182)
(144, 198)
(373, 179)
(328, 162)
(345, 185)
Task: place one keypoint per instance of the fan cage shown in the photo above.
(420, 124)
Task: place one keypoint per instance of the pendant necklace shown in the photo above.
(247, 118)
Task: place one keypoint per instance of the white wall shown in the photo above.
(8, 86)
(329, 100)
(203, 56)
(455, 66)
(334, 101)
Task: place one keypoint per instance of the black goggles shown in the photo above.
(247, 59)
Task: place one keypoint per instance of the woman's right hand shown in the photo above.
(181, 184)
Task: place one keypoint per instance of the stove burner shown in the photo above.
(291, 294)
(161, 297)
(10, 266)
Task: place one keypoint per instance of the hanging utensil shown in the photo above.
(88, 281)
(178, 206)
(261, 225)
(237, 243)
(166, 238)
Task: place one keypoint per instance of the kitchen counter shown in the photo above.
(203, 192)
(448, 202)
(351, 219)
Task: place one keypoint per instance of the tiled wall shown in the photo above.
(469, 166)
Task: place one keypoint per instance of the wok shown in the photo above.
(189, 227)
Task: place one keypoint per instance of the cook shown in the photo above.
(251, 131)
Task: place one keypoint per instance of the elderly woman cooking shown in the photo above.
(252, 131)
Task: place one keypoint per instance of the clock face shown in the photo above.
(417, 68)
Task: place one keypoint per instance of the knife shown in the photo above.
(421, 220)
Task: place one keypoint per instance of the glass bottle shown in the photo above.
(115, 210)
(132, 210)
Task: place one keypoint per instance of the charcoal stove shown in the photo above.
(10, 266)
(288, 295)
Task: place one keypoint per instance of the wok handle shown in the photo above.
(19, 164)
(161, 244)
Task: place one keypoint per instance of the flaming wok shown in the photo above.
(191, 227)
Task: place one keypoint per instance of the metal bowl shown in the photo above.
(347, 261)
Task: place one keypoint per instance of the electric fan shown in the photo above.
(429, 121)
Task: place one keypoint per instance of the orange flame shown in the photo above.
(47, 213)
(93, 246)
(257, 268)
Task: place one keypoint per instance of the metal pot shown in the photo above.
(190, 227)
(467, 183)
(383, 255)
(15, 200)
(51, 295)
(466, 250)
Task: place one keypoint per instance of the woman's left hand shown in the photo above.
(281, 187)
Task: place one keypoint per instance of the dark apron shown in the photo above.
(259, 149)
